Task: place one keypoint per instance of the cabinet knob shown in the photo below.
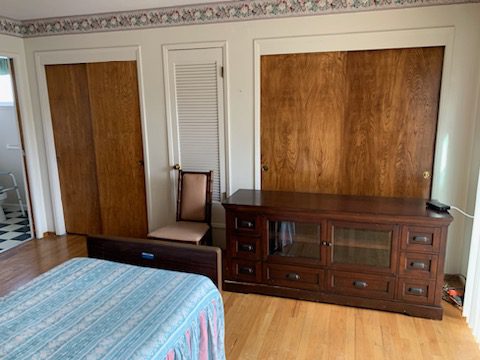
(176, 167)
(246, 270)
(265, 167)
(415, 291)
(426, 175)
(421, 239)
(246, 247)
(418, 265)
(246, 224)
(292, 276)
(359, 284)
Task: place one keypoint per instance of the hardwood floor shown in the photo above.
(27, 261)
(263, 327)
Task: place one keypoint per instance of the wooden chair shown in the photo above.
(194, 210)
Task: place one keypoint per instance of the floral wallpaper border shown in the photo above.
(10, 27)
(202, 14)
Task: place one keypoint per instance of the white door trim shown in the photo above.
(375, 40)
(42, 58)
(30, 145)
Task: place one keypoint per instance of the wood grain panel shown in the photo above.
(114, 101)
(390, 126)
(72, 128)
(302, 114)
(358, 123)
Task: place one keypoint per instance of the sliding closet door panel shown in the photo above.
(357, 122)
(72, 128)
(302, 112)
(114, 101)
(391, 122)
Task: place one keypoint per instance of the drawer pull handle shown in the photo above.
(246, 247)
(418, 265)
(421, 239)
(360, 284)
(246, 270)
(293, 276)
(245, 224)
(415, 291)
(147, 256)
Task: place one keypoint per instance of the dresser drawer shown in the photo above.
(418, 265)
(416, 291)
(245, 247)
(243, 270)
(358, 284)
(245, 223)
(423, 239)
(293, 276)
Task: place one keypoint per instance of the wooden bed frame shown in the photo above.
(203, 260)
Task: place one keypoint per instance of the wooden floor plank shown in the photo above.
(263, 327)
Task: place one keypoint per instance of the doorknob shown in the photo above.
(176, 167)
(426, 175)
(265, 167)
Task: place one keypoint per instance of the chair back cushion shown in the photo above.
(194, 197)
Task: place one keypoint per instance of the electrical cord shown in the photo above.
(461, 212)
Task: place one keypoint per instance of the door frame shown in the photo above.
(29, 143)
(21, 136)
(78, 56)
(376, 40)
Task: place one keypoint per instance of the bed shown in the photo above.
(90, 308)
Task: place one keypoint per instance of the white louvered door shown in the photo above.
(195, 96)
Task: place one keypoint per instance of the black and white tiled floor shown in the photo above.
(14, 230)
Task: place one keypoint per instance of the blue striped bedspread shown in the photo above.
(96, 309)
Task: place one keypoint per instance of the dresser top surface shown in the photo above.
(312, 202)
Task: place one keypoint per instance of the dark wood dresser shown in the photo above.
(379, 253)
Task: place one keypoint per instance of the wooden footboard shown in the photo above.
(203, 260)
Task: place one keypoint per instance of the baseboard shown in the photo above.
(48, 234)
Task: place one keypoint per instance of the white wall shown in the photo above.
(11, 160)
(472, 184)
(455, 132)
(13, 47)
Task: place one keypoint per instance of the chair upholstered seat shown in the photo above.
(187, 231)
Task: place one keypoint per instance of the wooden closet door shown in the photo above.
(391, 122)
(358, 123)
(72, 129)
(115, 108)
(302, 112)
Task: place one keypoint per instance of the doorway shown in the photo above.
(16, 225)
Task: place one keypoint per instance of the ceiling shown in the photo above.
(38, 9)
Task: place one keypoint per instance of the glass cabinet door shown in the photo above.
(353, 246)
(294, 240)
